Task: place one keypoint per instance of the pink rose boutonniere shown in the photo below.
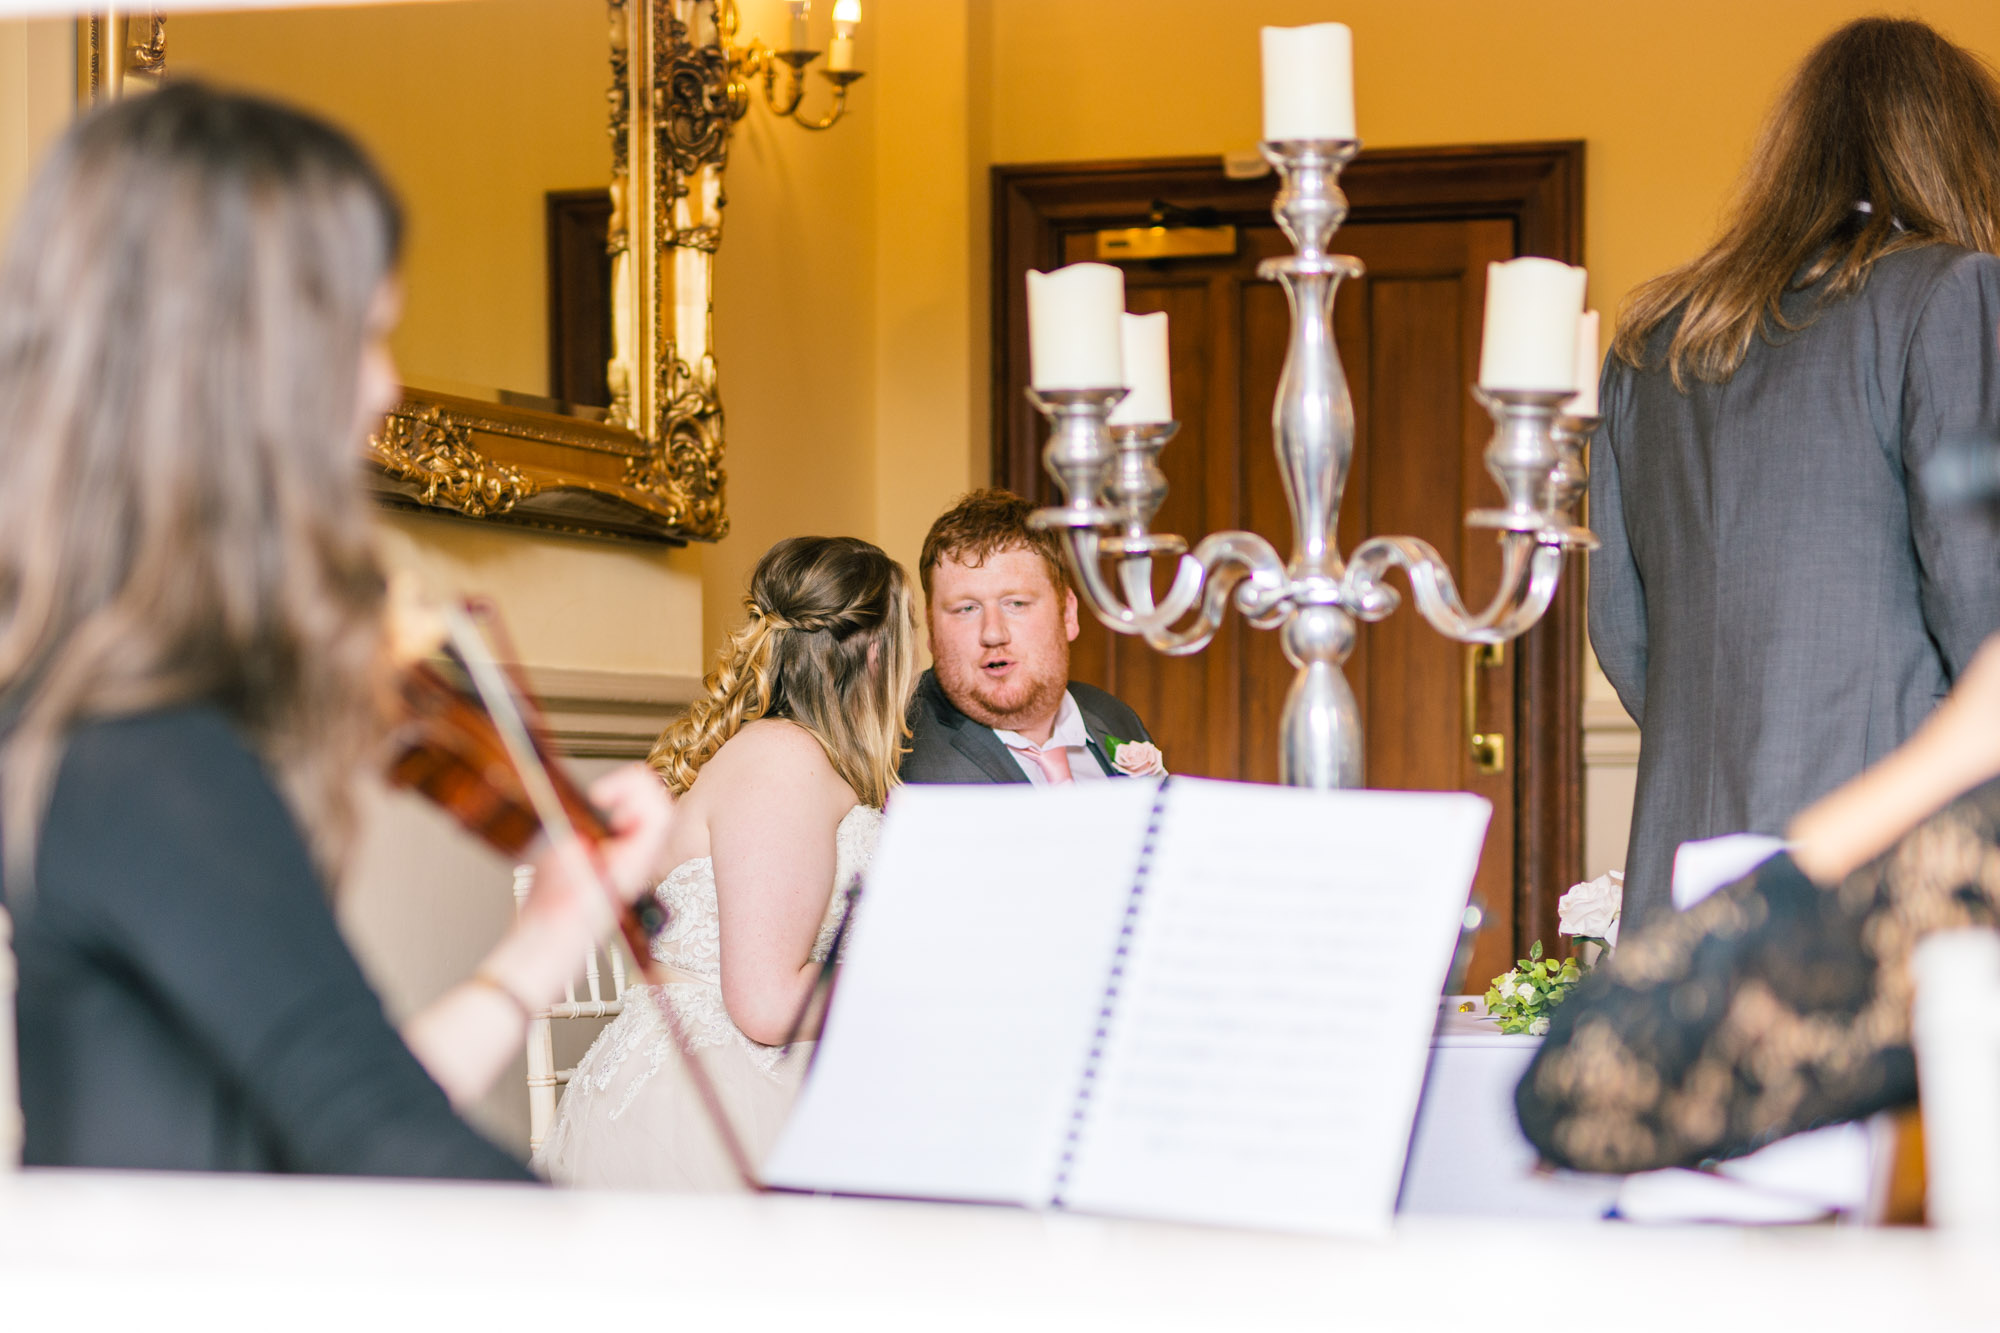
(1135, 759)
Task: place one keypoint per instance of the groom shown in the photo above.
(998, 705)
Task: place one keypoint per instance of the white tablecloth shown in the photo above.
(1468, 1155)
(145, 1251)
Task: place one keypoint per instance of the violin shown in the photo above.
(447, 749)
(477, 747)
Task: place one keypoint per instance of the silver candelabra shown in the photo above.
(1112, 486)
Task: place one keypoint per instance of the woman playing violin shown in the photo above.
(193, 314)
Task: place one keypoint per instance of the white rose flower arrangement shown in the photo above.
(1589, 912)
(1523, 997)
(1135, 759)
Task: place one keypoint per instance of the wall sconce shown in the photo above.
(759, 62)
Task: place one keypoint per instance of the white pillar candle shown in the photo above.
(1585, 402)
(1532, 309)
(1309, 82)
(846, 17)
(1143, 339)
(1073, 327)
(799, 34)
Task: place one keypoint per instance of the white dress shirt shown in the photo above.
(1070, 735)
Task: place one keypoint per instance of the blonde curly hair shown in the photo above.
(831, 645)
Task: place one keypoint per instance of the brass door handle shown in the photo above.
(1488, 749)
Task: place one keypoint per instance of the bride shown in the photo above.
(781, 768)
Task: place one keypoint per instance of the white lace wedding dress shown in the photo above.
(631, 1118)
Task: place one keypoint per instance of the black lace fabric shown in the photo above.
(1771, 1007)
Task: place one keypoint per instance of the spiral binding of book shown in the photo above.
(1080, 1109)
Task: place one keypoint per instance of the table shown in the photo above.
(1467, 1154)
(146, 1250)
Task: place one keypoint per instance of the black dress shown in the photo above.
(1771, 1007)
(186, 1000)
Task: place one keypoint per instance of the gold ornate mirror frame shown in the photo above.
(651, 469)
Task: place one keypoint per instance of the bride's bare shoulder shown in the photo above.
(773, 768)
(773, 749)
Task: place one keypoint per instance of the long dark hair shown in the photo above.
(184, 305)
(1885, 111)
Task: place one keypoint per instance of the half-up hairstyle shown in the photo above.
(184, 305)
(1884, 112)
(830, 644)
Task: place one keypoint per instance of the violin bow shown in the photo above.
(496, 691)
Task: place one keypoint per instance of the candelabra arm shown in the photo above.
(1135, 613)
(1528, 575)
(1135, 579)
(1238, 567)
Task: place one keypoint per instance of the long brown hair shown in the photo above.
(184, 305)
(830, 643)
(1885, 111)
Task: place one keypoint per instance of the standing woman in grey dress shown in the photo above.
(1776, 602)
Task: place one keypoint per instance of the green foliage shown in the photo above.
(1523, 998)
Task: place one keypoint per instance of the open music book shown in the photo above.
(1203, 1001)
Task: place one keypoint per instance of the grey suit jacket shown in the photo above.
(1776, 602)
(948, 746)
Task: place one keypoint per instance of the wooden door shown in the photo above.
(1408, 335)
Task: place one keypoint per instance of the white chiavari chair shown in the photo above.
(12, 1125)
(544, 1079)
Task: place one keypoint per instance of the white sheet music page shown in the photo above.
(967, 997)
(1268, 1042)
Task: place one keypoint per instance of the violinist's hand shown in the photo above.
(588, 885)
(641, 814)
(468, 1036)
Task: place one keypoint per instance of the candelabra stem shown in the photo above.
(1312, 427)
(1312, 418)
(1319, 736)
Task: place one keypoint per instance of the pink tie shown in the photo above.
(1054, 762)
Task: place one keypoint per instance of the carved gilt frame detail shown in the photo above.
(653, 470)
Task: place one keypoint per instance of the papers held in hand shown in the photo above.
(1208, 1001)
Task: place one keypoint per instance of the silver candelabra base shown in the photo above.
(1112, 487)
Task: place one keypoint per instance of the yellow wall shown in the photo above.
(932, 120)
(794, 334)
(37, 87)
